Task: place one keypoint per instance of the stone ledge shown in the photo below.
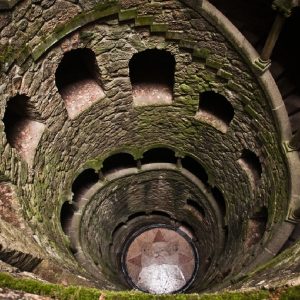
(80, 20)
(20, 260)
(79, 292)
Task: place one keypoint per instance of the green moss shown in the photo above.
(187, 44)
(95, 164)
(292, 293)
(127, 14)
(224, 74)
(251, 112)
(52, 290)
(186, 89)
(254, 295)
(143, 20)
(6, 52)
(288, 253)
(174, 35)
(215, 62)
(99, 11)
(201, 53)
(158, 27)
(82, 293)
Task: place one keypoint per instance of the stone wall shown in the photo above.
(36, 35)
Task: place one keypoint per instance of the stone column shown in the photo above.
(284, 9)
(272, 38)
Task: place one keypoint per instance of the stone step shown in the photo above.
(285, 86)
(292, 103)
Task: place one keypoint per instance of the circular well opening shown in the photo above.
(160, 260)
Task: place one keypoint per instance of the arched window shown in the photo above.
(195, 168)
(157, 155)
(78, 80)
(196, 208)
(249, 161)
(220, 200)
(83, 182)
(66, 215)
(22, 131)
(216, 110)
(152, 77)
(117, 162)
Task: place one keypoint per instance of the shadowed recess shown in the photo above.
(78, 80)
(66, 215)
(152, 77)
(22, 130)
(83, 182)
(249, 161)
(215, 109)
(157, 155)
(220, 200)
(256, 226)
(117, 162)
(197, 207)
(195, 167)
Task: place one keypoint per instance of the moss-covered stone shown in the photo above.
(143, 20)
(201, 53)
(292, 293)
(82, 293)
(174, 35)
(127, 14)
(100, 11)
(159, 27)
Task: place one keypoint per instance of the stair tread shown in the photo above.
(285, 86)
(292, 103)
(276, 69)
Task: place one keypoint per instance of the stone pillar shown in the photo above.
(284, 9)
(272, 38)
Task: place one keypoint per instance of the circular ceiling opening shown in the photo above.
(160, 260)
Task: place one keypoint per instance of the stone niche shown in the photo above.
(23, 131)
(78, 80)
(152, 77)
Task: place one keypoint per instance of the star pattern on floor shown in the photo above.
(160, 247)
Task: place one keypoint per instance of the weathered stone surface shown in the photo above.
(36, 38)
(7, 294)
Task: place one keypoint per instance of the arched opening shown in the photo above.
(152, 77)
(159, 155)
(83, 182)
(78, 80)
(117, 162)
(66, 215)
(161, 214)
(256, 227)
(216, 110)
(249, 161)
(136, 215)
(117, 228)
(220, 200)
(195, 168)
(196, 208)
(22, 132)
